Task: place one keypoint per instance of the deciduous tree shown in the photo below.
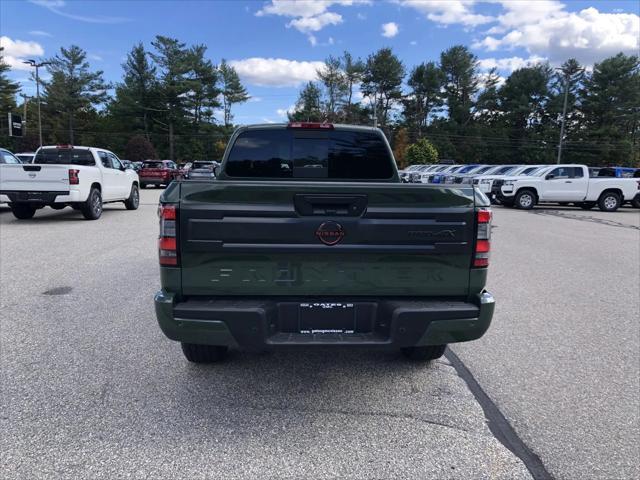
(421, 152)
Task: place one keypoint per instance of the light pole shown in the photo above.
(37, 65)
(567, 78)
(25, 101)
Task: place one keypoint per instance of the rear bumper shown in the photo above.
(42, 197)
(262, 323)
(156, 180)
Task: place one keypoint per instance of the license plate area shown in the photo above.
(325, 317)
(315, 318)
(31, 196)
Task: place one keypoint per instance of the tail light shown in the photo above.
(73, 176)
(483, 238)
(328, 126)
(168, 241)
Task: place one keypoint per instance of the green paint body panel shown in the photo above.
(218, 219)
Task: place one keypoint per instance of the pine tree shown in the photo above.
(426, 81)
(335, 85)
(610, 105)
(8, 89)
(459, 67)
(308, 107)
(172, 58)
(137, 97)
(353, 72)
(202, 81)
(382, 81)
(233, 91)
(73, 89)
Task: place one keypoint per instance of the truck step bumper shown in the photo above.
(261, 323)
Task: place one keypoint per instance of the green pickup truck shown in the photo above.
(307, 237)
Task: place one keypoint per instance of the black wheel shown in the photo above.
(425, 353)
(586, 205)
(609, 202)
(525, 199)
(635, 202)
(92, 208)
(133, 201)
(203, 353)
(23, 212)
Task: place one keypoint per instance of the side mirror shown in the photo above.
(216, 170)
(550, 176)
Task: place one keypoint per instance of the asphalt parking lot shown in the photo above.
(92, 389)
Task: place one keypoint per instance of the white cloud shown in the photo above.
(93, 56)
(308, 16)
(413, 42)
(509, 64)
(276, 72)
(40, 33)
(16, 51)
(315, 24)
(390, 29)
(546, 28)
(283, 112)
(448, 11)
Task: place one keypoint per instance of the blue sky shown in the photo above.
(275, 44)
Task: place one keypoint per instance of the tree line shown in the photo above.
(165, 104)
(167, 99)
(475, 117)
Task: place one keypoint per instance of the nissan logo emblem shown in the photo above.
(330, 233)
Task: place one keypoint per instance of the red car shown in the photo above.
(158, 172)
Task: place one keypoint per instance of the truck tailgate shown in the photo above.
(34, 178)
(273, 238)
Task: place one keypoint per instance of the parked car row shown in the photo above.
(524, 186)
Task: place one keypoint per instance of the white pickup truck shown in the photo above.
(567, 184)
(83, 178)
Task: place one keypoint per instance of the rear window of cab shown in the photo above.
(64, 156)
(309, 154)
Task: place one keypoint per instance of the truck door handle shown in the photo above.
(347, 205)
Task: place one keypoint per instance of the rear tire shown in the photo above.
(609, 202)
(424, 353)
(92, 208)
(133, 201)
(525, 199)
(196, 353)
(635, 202)
(23, 212)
